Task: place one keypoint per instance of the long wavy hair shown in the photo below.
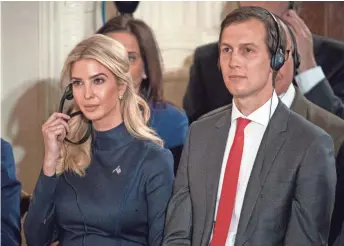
(135, 111)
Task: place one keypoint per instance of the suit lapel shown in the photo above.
(271, 144)
(217, 145)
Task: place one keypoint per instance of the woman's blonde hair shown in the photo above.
(135, 111)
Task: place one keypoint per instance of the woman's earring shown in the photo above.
(144, 76)
(120, 97)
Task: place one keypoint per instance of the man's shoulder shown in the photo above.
(304, 130)
(207, 50)
(328, 50)
(329, 122)
(212, 117)
(328, 43)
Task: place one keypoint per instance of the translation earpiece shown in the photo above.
(69, 92)
(67, 95)
(277, 60)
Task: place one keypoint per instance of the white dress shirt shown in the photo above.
(307, 80)
(253, 136)
(288, 97)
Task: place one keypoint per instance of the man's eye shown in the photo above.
(248, 50)
(226, 50)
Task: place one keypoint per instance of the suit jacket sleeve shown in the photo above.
(323, 96)
(10, 198)
(337, 223)
(178, 225)
(39, 225)
(314, 196)
(158, 192)
(195, 96)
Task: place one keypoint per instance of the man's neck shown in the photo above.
(247, 105)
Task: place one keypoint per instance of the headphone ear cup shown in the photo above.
(277, 60)
(69, 92)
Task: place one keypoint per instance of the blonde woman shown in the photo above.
(114, 188)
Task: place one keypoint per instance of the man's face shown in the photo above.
(285, 75)
(245, 61)
(276, 7)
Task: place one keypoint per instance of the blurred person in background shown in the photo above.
(167, 120)
(291, 96)
(10, 198)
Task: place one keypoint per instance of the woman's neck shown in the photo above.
(108, 122)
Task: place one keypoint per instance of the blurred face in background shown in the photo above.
(130, 42)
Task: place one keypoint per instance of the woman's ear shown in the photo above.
(121, 91)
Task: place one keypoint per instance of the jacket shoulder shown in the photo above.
(212, 117)
(207, 50)
(329, 122)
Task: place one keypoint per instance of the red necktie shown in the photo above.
(229, 186)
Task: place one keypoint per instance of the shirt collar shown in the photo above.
(261, 115)
(288, 97)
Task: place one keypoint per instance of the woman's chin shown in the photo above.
(92, 116)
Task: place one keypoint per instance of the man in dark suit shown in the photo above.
(206, 90)
(244, 175)
(10, 198)
(336, 229)
(333, 125)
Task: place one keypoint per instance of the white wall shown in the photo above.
(35, 38)
(21, 102)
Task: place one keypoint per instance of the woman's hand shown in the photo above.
(54, 131)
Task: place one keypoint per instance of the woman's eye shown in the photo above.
(131, 58)
(77, 83)
(99, 81)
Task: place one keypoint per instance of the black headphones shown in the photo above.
(68, 95)
(277, 58)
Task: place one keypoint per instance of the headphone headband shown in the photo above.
(277, 58)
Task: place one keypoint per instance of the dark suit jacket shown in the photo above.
(337, 231)
(121, 200)
(10, 198)
(290, 195)
(206, 90)
(334, 126)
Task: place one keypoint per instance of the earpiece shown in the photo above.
(67, 95)
(69, 92)
(277, 58)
